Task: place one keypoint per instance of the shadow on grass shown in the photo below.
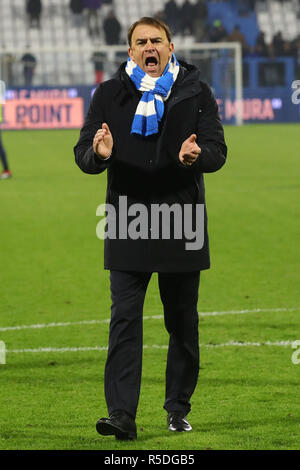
(54, 359)
(59, 440)
(73, 436)
(240, 424)
(95, 374)
(252, 382)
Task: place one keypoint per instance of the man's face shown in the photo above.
(150, 49)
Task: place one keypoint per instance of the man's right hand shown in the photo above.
(103, 142)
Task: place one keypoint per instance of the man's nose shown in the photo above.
(149, 46)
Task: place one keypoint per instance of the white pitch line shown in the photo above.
(52, 325)
(61, 350)
(152, 317)
(153, 346)
(255, 310)
(248, 343)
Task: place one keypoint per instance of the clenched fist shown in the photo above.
(189, 151)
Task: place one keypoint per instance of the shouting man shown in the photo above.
(155, 128)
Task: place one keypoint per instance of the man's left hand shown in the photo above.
(189, 151)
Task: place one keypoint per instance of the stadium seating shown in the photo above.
(228, 14)
(57, 29)
(274, 16)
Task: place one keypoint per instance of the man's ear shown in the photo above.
(171, 48)
(130, 53)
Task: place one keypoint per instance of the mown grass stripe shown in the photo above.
(153, 346)
(151, 317)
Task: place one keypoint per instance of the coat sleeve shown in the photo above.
(210, 136)
(85, 156)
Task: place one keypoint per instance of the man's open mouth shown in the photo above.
(151, 61)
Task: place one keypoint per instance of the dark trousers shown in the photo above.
(3, 155)
(123, 370)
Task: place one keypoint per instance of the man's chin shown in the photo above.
(153, 71)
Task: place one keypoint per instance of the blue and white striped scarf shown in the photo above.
(150, 109)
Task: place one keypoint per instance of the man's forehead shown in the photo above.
(145, 31)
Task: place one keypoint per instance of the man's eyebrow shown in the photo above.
(145, 39)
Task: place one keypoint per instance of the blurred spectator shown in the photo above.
(98, 59)
(261, 47)
(29, 63)
(112, 29)
(93, 7)
(237, 36)
(6, 67)
(5, 174)
(244, 7)
(3, 158)
(172, 15)
(263, 5)
(76, 7)
(287, 50)
(160, 15)
(34, 10)
(278, 44)
(217, 33)
(200, 18)
(296, 55)
(186, 14)
(271, 52)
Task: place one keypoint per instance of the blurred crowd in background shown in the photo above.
(186, 19)
(191, 18)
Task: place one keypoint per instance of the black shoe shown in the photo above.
(178, 422)
(119, 424)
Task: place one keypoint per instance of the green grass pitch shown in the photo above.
(51, 271)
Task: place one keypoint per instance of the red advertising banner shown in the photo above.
(43, 109)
